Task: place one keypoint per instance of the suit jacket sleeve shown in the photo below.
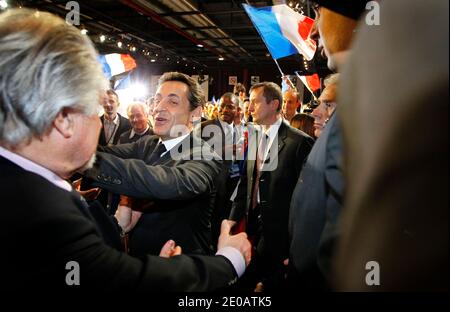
(238, 208)
(133, 177)
(335, 187)
(103, 267)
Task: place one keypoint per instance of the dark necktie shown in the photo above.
(157, 152)
(258, 166)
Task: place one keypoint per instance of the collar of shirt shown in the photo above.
(115, 121)
(133, 133)
(272, 132)
(31, 166)
(169, 144)
(227, 128)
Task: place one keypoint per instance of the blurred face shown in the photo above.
(246, 112)
(290, 104)
(336, 32)
(261, 111)
(227, 109)
(171, 109)
(85, 140)
(138, 119)
(238, 116)
(323, 112)
(110, 105)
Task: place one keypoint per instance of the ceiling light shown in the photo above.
(102, 38)
(3, 4)
(119, 44)
(153, 60)
(221, 58)
(84, 31)
(200, 45)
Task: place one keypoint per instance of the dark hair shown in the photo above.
(112, 92)
(304, 122)
(196, 97)
(271, 92)
(230, 96)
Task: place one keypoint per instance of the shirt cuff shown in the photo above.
(235, 257)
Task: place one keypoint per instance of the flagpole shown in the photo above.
(283, 75)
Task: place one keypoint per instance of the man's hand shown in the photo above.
(127, 218)
(238, 241)
(170, 250)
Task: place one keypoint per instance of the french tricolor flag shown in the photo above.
(114, 64)
(284, 31)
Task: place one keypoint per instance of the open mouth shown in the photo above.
(160, 120)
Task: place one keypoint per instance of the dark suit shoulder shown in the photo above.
(124, 121)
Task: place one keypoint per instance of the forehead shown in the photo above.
(177, 88)
(136, 109)
(227, 100)
(289, 95)
(257, 92)
(111, 96)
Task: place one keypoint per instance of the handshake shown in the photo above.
(130, 210)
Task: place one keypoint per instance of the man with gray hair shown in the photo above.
(48, 130)
(140, 126)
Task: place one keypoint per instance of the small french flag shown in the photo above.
(284, 31)
(114, 64)
(311, 82)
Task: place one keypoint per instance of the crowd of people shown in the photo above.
(249, 194)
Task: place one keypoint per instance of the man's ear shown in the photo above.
(275, 104)
(196, 113)
(64, 123)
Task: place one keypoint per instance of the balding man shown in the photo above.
(291, 104)
(138, 115)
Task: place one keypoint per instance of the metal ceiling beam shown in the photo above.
(157, 18)
(204, 12)
(217, 27)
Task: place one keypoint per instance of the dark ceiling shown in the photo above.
(194, 32)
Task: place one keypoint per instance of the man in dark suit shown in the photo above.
(175, 170)
(221, 134)
(265, 189)
(317, 199)
(51, 239)
(113, 123)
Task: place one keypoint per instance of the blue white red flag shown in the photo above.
(284, 31)
(114, 64)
